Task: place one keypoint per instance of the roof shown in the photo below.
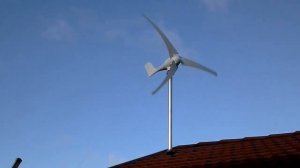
(278, 150)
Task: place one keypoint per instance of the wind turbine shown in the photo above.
(170, 65)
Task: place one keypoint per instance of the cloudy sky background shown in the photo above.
(74, 92)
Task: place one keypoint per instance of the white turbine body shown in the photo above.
(170, 65)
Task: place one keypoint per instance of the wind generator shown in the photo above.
(170, 65)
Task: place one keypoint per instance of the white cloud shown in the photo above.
(115, 34)
(123, 30)
(78, 23)
(59, 30)
(139, 33)
(216, 5)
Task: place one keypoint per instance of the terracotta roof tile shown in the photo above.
(278, 150)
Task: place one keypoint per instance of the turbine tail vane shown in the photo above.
(150, 69)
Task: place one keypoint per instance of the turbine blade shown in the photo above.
(170, 74)
(194, 64)
(172, 51)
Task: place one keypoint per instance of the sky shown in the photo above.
(74, 92)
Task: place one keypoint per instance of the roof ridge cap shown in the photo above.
(245, 138)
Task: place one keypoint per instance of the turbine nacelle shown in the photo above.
(151, 70)
(169, 61)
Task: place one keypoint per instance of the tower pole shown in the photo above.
(17, 163)
(170, 114)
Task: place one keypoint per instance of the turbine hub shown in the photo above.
(176, 59)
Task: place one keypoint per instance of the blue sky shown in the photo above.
(74, 92)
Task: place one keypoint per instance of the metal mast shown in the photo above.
(170, 114)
